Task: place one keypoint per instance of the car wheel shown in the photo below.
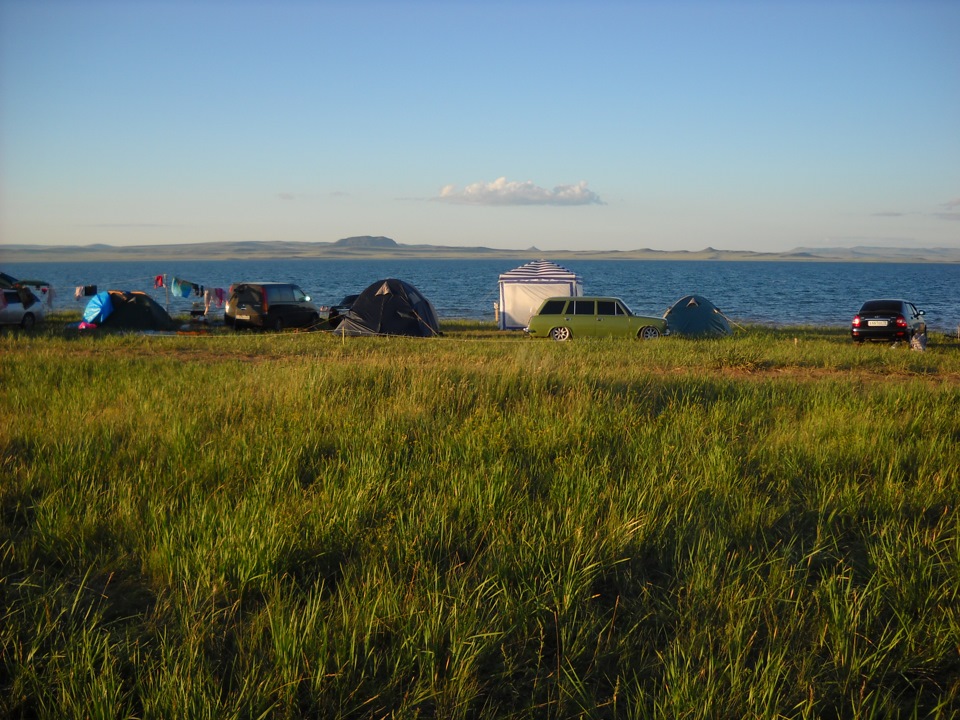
(314, 321)
(560, 334)
(648, 333)
(28, 321)
(277, 324)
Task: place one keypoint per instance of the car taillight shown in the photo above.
(900, 321)
(856, 321)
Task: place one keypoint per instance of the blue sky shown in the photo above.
(606, 124)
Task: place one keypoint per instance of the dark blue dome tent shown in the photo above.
(120, 310)
(390, 307)
(694, 315)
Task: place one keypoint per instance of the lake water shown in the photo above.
(769, 293)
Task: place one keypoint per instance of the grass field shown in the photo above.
(477, 526)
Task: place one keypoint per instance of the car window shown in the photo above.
(25, 297)
(606, 307)
(299, 295)
(622, 309)
(583, 307)
(553, 307)
(279, 293)
(11, 297)
(248, 295)
(881, 306)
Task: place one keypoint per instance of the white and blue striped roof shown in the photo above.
(539, 271)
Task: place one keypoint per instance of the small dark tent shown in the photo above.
(127, 311)
(390, 307)
(695, 315)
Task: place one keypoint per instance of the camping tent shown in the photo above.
(128, 311)
(695, 315)
(524, 289)
(390, 307)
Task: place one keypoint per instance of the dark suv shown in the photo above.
(887, 320)
(270, 306)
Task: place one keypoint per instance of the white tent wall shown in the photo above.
(523, 290)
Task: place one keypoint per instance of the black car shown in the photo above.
(269, 306)
(887, 320)
(340, 309)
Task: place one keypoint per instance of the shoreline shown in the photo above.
(332, 251)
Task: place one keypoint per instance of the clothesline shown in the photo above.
(185, 288)
(123, 281)
(178, 287)
(82, 291)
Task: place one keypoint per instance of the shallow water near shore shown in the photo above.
(769, 293)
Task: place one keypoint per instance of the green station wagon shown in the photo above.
(562, 318)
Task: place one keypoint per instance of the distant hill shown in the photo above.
(379, 247)
(366, 241)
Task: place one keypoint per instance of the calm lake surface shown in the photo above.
(769, 293)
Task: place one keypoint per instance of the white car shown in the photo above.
(20, 307)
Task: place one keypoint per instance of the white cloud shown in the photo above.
(505, 192)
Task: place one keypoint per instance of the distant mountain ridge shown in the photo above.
(370, 247)
(868, 252)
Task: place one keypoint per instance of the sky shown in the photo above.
(588, 125)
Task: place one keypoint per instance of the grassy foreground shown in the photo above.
(478, 526)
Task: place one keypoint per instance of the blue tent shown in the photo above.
(696, 316)
(98, 309)
(120, 310)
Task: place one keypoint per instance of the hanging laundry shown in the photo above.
(85, 291)
(50, 293)
(212, 296)
(183, 288)
(158, 281)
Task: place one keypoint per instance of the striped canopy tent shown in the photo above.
(523, 289)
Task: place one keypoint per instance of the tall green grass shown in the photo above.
(478, 525)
